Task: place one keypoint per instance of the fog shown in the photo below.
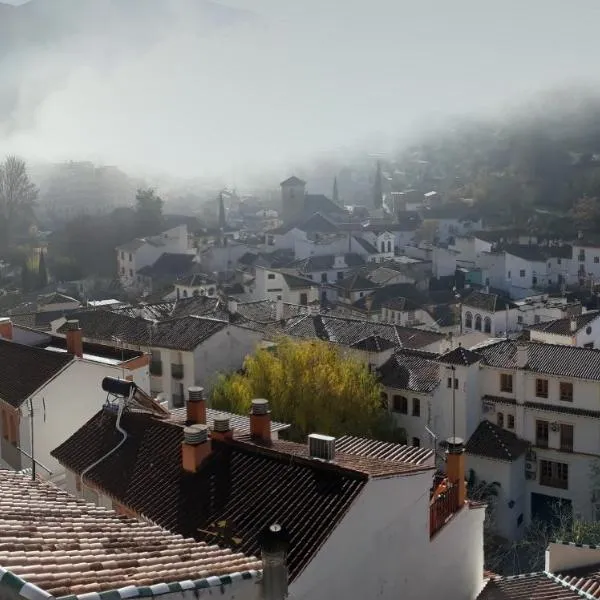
(162, 92)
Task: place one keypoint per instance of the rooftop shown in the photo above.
(24, 369)
(530, 586)
(491, 441)
(68, 547)
(413, 371)
(460, 356)
(169, 265)
(488, 302)
(563, 326)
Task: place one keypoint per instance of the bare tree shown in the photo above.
(17, 198)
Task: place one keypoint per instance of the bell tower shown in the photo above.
(293, 191)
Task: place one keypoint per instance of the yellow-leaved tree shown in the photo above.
(313, 386)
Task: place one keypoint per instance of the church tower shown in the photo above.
(293, 191)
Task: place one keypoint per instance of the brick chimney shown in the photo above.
(455, 467)
(195, 447)
(260, 421)
(74, 338)
(196, 406)
(221, 429)
(6, 328)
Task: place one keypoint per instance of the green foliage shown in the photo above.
(148, 208)
(310, 385)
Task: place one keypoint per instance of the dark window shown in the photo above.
(541, 388)
(389, 246)
(416, 442)
(566, 437)
(510, 421)
(522, 273)
(506, 383)
(589, 345)
(478, 322)
(534, 280)
(304, 299)
(541, 434)
(566, 391)
(130, 258)
(340, 275)
(537, 318)
(271, 276)
(597, 259)
(279, 297)
(455, 383)
(449, 382)
(559, 261)
(554, 474)
(416, 407)
(323, 277)
(500, 418)
(400, 404)
(509, 275)
(487, 325)
(520, 320)
(468, 320)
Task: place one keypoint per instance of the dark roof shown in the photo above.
(488, 302)
(414, 455)
(326, 262)
(265, 311)
(248, 258)
(491, 441)
(169, 265)
(40, 320)
(183, 333)
(535, 253)
(196, 279)
(552, 359)
(293, 180)
(366, 245)
(563, 326)
(297, 282)
(317, 223)
(346, 331)
(373, 343)
(24, 369)
(55, 298)
(243, 483)
(132, 246)
(356, 282)
(530, 586)
(416, 372)
(460, 356)
(314, 203)
(410, 296)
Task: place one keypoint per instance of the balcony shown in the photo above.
(177, 371)
(441, 509)
(156, 368)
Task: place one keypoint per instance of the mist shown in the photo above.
(276, 82)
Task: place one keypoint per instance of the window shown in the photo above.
(554, 474)
(279, 297)
(122, 255)
(566, 437)
(541, 434)
(520, 320)
(468, 320)
(416, 407)
(597, 259)
(400, 404)
(340, 275)
(541, 388)
(416, 442)
(487, 325)
(522, 273)
(534, 280)
(122, 270)
(478, 322)
(506, 382)
(510, 421)
(323, 277)
(271, 276)
(566, 391)
(589, 345)
(537, 319)
(303, 299)
(389, 246)
(450, 383)
(500, 419)
(455, 383)
(130, 257)
(581, 256)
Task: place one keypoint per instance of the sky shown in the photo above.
(301, 78)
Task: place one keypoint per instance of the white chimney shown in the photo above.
(279, 310)
(573, 325)
(521, 357)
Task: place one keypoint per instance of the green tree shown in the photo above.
(309, 384)
(42, 278)
(149, 212)
(17, 200)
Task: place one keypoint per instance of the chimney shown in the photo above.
(221, 429)
(195, 447)
(6, 328)
(232, 306)
(521, 356)
(260, 421)
(274, 544)
(455, 467)
(74, 338)
(279, 310)
(196, 406)
(573, 325)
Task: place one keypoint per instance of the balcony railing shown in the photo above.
(156, 368)
(177, 371)
(442, 508)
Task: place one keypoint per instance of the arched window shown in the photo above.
(468, 320)
(478, 322)
(389, 246)
(400, 404)
(487, 325)
(383, 246)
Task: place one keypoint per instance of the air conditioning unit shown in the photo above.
(555, 427)
(530, 475)
(530, 466)
(321, 446)
(531, 455)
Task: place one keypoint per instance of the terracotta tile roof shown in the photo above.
(411, 371)
(69, 547)
(247, 484)
(413, 455)
(460, 356)
(552, 359)
(585, 579)
(491, 441)
(563, 326)
(531, 586)
(24, 369)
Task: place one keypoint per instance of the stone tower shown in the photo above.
(292, 199)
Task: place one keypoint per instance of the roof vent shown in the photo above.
(195, 434)
(195, 393)
(221, 423)
(260, 406)
(321, 446)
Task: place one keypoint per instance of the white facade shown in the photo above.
(495, 323)
(585, 264)
(285, 240)
(206, 288)
(271, 285)
(587, 336)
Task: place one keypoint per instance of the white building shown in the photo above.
(196, 284)
(578, 330)
(489, 313)
(280, 284)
